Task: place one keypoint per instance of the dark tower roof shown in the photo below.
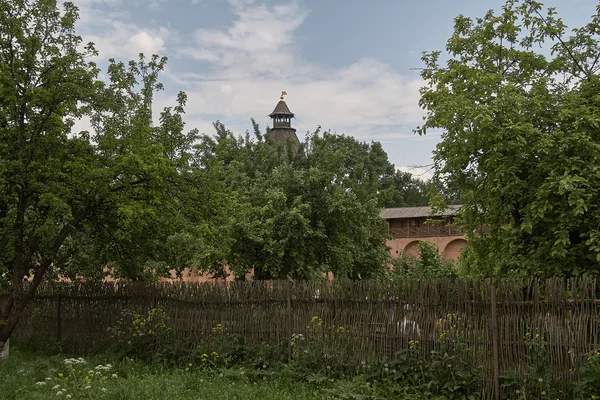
(282, 131)
(281, 109)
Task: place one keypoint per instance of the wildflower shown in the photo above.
(60, 375)
(68, 396)
(386, 369)
(114, 376)
(88, 387)
(42, 383)
(103, 389)
(48, 379)
(518, 391)
(543, 393)
(190, 365)
(56, 387)
(540, 380)
(59, 393)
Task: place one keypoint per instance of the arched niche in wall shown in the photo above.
(453, 249)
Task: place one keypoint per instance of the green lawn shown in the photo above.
(39, 376)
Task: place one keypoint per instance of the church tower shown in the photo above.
(282, 130)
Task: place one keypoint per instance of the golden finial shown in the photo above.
(283, 93)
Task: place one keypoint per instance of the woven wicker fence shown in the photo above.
(378, 318)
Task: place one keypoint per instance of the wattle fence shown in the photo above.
(501, 322)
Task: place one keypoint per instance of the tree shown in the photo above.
(406, 191)
(59, 188)
(518, 104)
(302, 213)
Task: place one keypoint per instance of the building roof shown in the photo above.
(281, 109)
(416, 212)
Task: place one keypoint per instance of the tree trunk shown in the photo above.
(4, 347)
(10, 316)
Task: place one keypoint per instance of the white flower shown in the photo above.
(59, 393)
(540, 380)
(88, 387)
(42, 383)
(103, 389)
(114, 376)
(48, 379)
(91, 372)
(68, 396)
(56, 387)
(190, 365)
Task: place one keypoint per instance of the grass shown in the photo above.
(40, 376)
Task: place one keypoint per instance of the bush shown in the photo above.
(430, 264)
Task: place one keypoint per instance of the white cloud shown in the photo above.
(256, 57)
(114, 33)
(248, 63)
(421, 173)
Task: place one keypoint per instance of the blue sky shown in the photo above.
(346, 64)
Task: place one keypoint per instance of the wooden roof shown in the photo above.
(281, 109)
(416, 212)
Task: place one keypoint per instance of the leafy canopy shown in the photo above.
(518, 103)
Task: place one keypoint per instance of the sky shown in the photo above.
(349, 66)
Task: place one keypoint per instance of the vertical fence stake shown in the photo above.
(58, 319)
(154, 299)
(495, 339)
(289, 321)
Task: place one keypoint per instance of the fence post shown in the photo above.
(154, 299)
(493, 304)
(58, 318)
(289, 320)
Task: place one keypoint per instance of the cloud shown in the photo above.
(241, 69)
(420, 173)
(259, 43)
(256, 57)
(114, 33)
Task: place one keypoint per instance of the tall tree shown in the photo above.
(517, 100)
(301, 213)
(57, 185)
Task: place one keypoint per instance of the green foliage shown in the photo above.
(301, 214)
(519, 144)
(540, 381)
(310, 351)
(143, 337)
(403, 190)
(588, 385)
(429, 264)
(72, 202)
